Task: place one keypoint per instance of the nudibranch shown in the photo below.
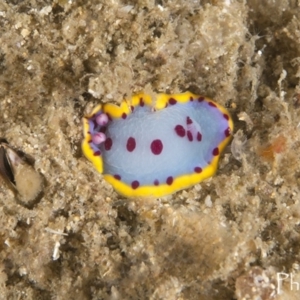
(155, 149)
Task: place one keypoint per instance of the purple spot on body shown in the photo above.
(180, 130)
(198, 170)
(199, 136)
(124, 116)
(191, 99)
(108, 144)
(212, 104)
(156, 147)
(188, 121)
(156, 182)
(215, 152)
(200, 99)
(227, 132)
(135, 184)
(142, 102)
(132, 108)
(118, 177)
(172, 101)
(190, 136)
(169, 180)
(130, 144)
(97, 153)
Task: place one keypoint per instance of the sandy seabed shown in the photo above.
(226, 238)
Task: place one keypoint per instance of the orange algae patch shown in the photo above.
(277, 146)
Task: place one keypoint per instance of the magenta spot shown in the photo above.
(180, 130)
(200, 99)
(118, 177)
(226, 116)
(97, 153)
(156, 182)
(212, 104)
(156, 147)
(188, 121)
(169, 180)
(215, 151)
(142, 102)
(191, 99)
(132, 108)
(98, 138)
(102, 119)
(130, 144)
(172, 101)
(199, 136)
(135, 184)
(190, 136)
(198, 170)
(227, 132)
(124, 116)
(108, 144)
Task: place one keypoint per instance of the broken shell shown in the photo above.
(17, 170)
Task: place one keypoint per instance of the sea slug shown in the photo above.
(154, 149)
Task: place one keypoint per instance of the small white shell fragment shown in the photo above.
(243, 116)
(22, 271)
(55, 255)
(238, 144)
(208, 201)
(59, 232)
